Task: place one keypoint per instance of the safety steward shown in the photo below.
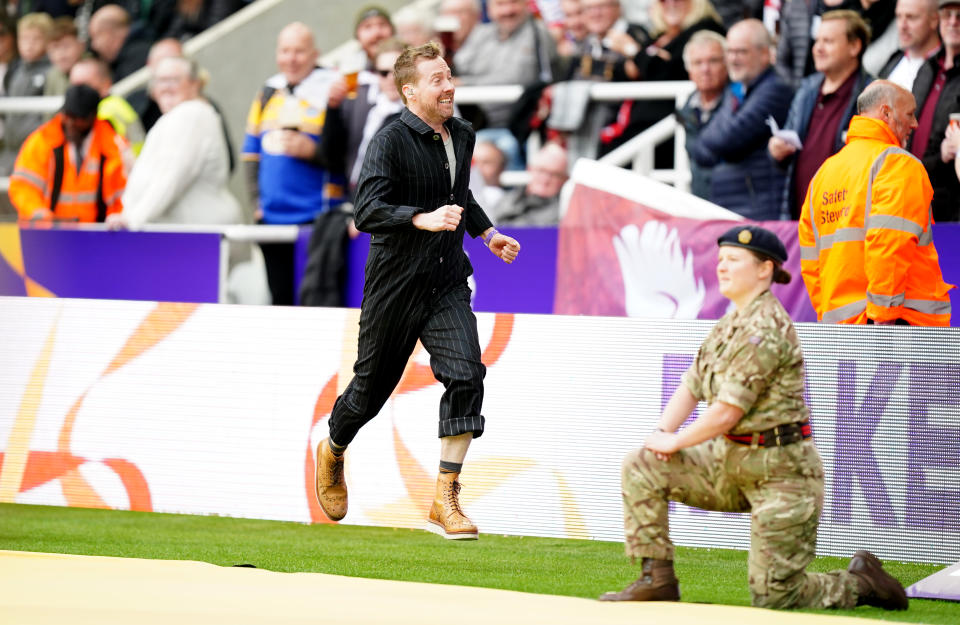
(71, 168)
(866, 244)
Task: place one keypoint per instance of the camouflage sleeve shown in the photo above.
(692, 380)
(749, 369)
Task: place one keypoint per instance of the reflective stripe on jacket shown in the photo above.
(866, 247)
(32, 181)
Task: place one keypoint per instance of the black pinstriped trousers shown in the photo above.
(391, 321)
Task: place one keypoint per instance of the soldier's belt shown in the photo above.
(774, 437)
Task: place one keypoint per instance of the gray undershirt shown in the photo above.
(451, 157)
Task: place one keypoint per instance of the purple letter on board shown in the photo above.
(853, 455)
(934, 444)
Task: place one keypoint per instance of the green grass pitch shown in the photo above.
(580, 568)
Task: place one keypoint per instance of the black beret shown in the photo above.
(757, 239)
(81, 101)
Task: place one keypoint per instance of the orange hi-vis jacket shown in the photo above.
(87, 195)
(866, 247)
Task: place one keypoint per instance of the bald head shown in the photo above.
(108, 29)
(296, 32)
(164, 49)
(753, 31)
(296, 52)
(892, 104)
(110, 16)
(748, 50)
(92, 72)
(548, 171)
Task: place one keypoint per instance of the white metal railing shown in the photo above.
(637, 152)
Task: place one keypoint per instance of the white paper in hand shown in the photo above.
(790, 136)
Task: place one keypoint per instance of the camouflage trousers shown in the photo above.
(781, 487)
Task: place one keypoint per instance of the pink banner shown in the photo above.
(617, 257)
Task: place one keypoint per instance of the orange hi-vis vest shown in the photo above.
(46, 172)
(866, 247)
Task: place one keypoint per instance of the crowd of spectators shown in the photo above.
(47, 45)
(759, 76)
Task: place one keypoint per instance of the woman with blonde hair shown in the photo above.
(658, 55)
(181, 174)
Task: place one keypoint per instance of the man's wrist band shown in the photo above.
(486, 239)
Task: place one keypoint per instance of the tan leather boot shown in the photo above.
(658, 583)
(877, 587)
(331, 487)
(446, 518)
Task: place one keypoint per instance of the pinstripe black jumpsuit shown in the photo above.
(416, 285)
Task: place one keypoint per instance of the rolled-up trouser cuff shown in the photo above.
(461, 425)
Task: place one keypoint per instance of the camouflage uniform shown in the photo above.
(752, 360)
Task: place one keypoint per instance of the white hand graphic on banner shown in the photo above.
(658, 279)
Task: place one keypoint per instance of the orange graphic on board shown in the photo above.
(484, 476)
(22, 469)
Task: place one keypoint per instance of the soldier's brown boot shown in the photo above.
(446, 518)
(877, 587)
(331, 487)
(658, 583)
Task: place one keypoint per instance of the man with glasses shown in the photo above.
(703, 56)
(537, 203)
(734, 143)
(937, 90)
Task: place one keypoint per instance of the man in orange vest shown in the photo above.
(71, 168)
(866, 247)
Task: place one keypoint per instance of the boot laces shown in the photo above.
(335, 469)
(452, 497)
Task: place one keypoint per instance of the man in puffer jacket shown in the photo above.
(745, 178)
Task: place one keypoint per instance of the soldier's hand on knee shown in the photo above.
(662, 444)
(447, 217)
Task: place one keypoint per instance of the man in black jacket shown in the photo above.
(937, 91)
(413, 197)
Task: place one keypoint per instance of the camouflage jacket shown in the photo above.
(752, 359)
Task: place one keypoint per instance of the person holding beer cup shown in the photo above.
(952, 140)
(290, 176)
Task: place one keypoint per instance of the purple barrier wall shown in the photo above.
(154, 266)
(526, 286)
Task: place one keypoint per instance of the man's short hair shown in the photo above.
(36, 21)
(113, 17)
(760, 37)
(875, 94)
(857, 28)
(702, 37)
(63, 27)
(101, 67)
(191, 69)
(405, 69)
(390, 44)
